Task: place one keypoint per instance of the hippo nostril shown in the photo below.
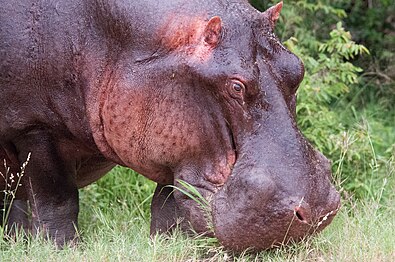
(301, 214)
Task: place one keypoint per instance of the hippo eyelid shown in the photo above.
(239, 81)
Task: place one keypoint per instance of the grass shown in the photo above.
(116, 228)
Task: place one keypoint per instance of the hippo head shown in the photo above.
(209, 98)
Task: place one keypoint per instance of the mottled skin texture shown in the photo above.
(200, 91)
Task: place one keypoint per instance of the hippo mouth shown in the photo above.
(326, 219)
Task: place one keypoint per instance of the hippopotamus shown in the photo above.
(184, 92)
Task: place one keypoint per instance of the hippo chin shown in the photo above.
(181, 90)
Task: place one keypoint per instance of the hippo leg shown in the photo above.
(164, 210)
(50, 186)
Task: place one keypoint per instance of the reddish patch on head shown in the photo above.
(179, 32)
(193, 36)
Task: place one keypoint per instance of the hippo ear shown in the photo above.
(213, 30)
(273, 14)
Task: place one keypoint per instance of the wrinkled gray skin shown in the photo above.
(200, 91)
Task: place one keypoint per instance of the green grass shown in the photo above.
(114, 226)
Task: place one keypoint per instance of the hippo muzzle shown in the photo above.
(250, 212)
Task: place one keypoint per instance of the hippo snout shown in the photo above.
(262, 216)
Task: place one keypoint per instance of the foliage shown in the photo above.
(328, 76)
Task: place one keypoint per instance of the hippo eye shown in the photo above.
(238, 86)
